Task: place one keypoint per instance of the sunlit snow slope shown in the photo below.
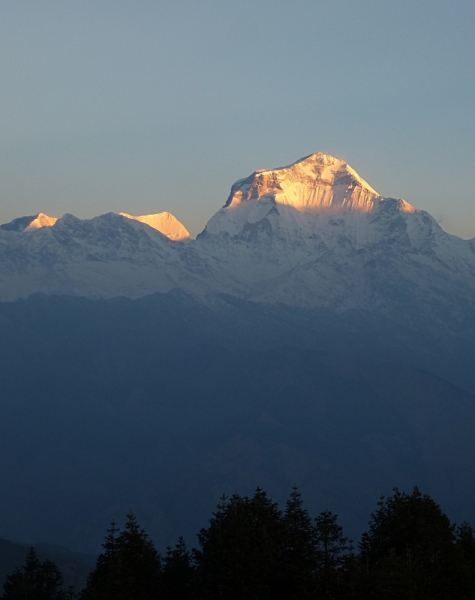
(164, 222)
(29, 223)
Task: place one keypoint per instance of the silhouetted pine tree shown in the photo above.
(465, 545)
(241, 549)
(178, 573)
(101, 582)
(36, 580)
(128, 569)
(332, 549)
(409, 551)
(296, 577)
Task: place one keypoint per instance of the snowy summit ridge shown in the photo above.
(318, 184)
(317, 181)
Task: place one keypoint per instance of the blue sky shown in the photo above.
(145, 106)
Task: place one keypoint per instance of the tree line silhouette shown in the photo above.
(252, 550)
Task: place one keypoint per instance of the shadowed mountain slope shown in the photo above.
(159, 405)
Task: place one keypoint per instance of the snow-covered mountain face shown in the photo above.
(316, 234)
(319, 204)
(285, 217)
(310, 234)
(104, 257)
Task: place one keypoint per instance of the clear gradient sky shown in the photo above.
(150, 105)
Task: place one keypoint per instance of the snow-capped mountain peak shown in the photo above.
(317, 181)
(314, 232)
(29, 223)
(164, 222)
(41, 220)
(316, 185)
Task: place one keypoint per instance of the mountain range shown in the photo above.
(315, 333)
(313, 234)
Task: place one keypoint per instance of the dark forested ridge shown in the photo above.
(110, 404)
(252, 548)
